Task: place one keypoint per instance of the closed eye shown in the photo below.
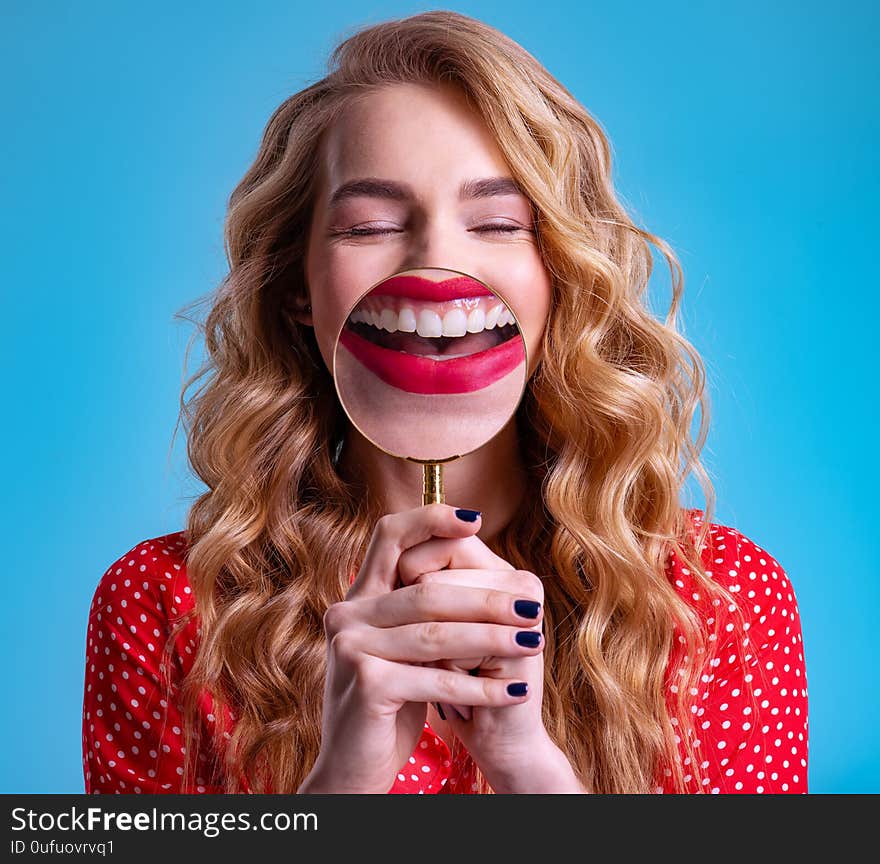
(365, 232)
(502, 228)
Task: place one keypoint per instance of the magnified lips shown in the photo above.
(433, 338)
(435, 374)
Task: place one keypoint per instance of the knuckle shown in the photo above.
(494, 605)
(343, 648)
(447, 684)
(334, 618)
(367, 674)
(431, 634)
(388, 532)
(385, 525)
(422, 595)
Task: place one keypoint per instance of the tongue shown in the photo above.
(412, 343)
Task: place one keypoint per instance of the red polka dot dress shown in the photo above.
(751, 705)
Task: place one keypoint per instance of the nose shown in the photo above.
(435, 244)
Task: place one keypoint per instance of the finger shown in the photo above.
(395, 533)
(455, 553)
(472, 667)
(524, 584)
(524, 668)
(442, 601)
(435, 640)
(426, 684)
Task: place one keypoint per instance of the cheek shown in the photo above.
(529, 289)
(531, 297)
(335, 286)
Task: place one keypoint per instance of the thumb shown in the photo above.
(396, 532)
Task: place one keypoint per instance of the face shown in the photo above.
(426, 142)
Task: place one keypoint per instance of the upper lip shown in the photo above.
(417, 288)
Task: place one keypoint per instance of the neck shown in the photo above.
(491, 479)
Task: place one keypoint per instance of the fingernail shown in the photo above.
(527, 608)
(439, 710)
(468, 515)
(518, 689)
(528, 638)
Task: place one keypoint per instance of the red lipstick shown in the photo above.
(417, 288)
(417, 374)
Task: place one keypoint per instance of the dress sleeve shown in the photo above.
(752, 714)
(132, 734)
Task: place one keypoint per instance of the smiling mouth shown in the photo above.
(444, 331)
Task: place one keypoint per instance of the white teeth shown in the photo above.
(492, 317)
(476, 321)
(445, 356)
(388, 320)
(406, 320)
(429, 324)
(455, 322)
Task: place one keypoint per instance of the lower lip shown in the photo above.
(417, 374)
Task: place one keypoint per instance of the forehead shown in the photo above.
(418, 134)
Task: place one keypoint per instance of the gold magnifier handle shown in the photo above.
(432, 487)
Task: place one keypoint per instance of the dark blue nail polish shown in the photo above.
(468, 515)
(528, 638)
(526, 608)
(518, 689)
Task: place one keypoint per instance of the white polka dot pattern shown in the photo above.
(132, 728)
(751, 706)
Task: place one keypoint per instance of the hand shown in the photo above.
(379, 640)
(504, 740)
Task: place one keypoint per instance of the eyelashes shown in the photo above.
(368, 232)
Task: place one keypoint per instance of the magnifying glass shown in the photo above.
(429, 365)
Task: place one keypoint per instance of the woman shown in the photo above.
(665, 650)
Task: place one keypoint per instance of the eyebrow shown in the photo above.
(374, 187)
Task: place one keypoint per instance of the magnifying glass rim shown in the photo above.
(348, 315)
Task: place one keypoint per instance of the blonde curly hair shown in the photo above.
(604, 427)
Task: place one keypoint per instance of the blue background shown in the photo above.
(744, 137)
